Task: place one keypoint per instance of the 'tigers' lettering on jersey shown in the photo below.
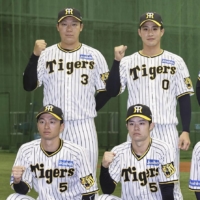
(49, 174)
(141, 176)
(153, 71)
(70, 66)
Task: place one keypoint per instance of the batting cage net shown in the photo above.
(107, 23)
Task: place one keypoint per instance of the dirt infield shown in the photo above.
(185, 167)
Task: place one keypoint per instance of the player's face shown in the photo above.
(139, 129)
(150, 34)
(49, 127)
(69, 29)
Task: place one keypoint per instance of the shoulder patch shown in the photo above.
(104, 77)
(87, 181)
(168, 169)
(188, 82)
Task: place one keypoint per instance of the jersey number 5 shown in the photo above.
(153, 187)
(63, 187)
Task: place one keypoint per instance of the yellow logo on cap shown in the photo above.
(69, 11)
(49, 108)
(137, 109)
(149, 15)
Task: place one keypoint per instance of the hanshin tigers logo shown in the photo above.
(188, 82)
(168, 169)
(87, 181)
(104, 77)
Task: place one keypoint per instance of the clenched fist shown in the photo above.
(107, 158)
(17, 172)
(119, 52)
(40, 45)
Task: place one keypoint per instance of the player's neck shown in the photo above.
(151, 51)
(70, 46)
(140, 147)
(50, 145)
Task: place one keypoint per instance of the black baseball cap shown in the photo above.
(51, 109)
(139, 110)
(69, 12)
(151, 16)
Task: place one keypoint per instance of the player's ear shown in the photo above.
(151, 126)
(62, 126)
(57, 26)
(139, 32)
(81, 27)
(162, 32)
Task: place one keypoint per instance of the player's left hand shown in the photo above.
(184, 141)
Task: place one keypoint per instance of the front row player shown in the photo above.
(57, 169)
(194, 182)
(144, 166)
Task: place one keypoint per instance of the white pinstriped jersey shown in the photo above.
(156, 82)
(71, 78)
(140, 177)
(194, 183)
(65, 174)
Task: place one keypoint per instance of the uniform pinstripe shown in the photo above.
(140, 177)
(194, 183)
(56, 176)
(157, 82)
(70, 80)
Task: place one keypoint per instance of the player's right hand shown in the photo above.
(17, 172)
(107, 158)
(119, 52)
(40, 45)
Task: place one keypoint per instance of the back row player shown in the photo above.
(156, 78)
(71, 73)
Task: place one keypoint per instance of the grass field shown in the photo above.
(7, 159)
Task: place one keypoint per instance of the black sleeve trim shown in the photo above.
(198, 90)
(88, 197)
(167, 191)
(21, 187)
(107, 183)
(101, 99)
(30, 74)
(185, 112)
(113, 83)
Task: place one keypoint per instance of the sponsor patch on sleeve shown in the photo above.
(194, 183)
(168, 169)
(188, 82)
(87, 181)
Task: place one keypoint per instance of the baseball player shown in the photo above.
(156, 78)
(57, 169)
(144, 166)
(194, 183)
(71, 73)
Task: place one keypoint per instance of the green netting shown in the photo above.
(107, 23)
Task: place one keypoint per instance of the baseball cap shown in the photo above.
(139, 110)
(51, 109)
(151, 16)
(69, 12)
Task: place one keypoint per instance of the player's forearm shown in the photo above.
(113, 82)
(88, 197)
(198, 90)
(21, 188)
(185, 112)
(30, 74)
(106, 182)
(101, 99)
(167, 191)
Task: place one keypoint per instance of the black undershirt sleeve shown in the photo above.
(198, 90)
(167, 191)
(113, 83)
(106, 182)
(30, 74)
(21, 188)
(185, 112)
(197, 195)
(88, 197)
(101, 98)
